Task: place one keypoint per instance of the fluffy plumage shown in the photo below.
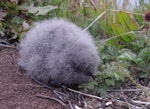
(58, 52)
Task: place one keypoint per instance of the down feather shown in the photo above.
(58, 52)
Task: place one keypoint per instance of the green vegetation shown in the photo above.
(122, 36)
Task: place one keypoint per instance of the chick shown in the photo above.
(57, 52)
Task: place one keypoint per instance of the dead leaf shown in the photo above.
(25, 25)
(94, 2)
(2, 14)
(12, 1)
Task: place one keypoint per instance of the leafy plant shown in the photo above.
(123, 55)
(18, 14)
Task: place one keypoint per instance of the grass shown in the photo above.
(116, 30)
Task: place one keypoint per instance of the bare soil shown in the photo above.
(18, 91)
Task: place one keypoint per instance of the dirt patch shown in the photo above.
(18, 91)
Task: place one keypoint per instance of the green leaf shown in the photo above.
(102, 89)
(41, 10)
(127, 20)
(104, 75)
(143, 75)
(145, 53)
(17, 20)
(124, 64)
(120, 30)
(106, 26)
(110, 82)
(143, 57)
(121, 75)
(124, 24)
(116, 76)
(111, 41)
(128, 56)
(91, 84)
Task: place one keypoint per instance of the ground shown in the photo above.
(17, 91)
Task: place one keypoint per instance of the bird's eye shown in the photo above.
(90, 74)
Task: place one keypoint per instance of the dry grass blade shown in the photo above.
(88, 95)
(141, 102)
(52, 98)
(8, 46)
(95, 20)
(126, 12)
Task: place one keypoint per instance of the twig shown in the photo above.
(57, 93)
(139, 86)
(129, 90)
(70, 104)
(88, 95)
(37, 86)
(141, 102)
(64, 97)
(3, 41)
(124, 103)
(44, 85)
(8, 46)
(52, 98)
(4, 5)
(126, 90)
(137, 104)
(125, 98)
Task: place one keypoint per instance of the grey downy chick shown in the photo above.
(59, 52)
